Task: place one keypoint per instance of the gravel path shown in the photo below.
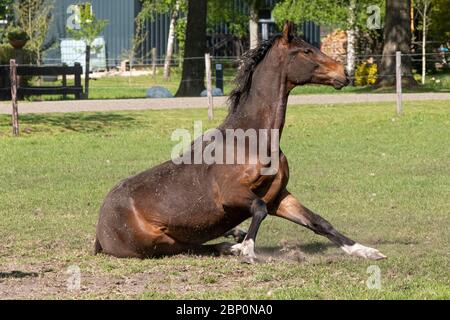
(186, 103)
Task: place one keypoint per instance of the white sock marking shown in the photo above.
(246, 248)
(362, 251)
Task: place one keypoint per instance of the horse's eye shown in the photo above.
(307, 51)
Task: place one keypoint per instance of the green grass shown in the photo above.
(381, 179)
(119, 87)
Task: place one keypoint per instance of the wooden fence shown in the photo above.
(30, 71)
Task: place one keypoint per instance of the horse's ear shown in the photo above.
(288, 32)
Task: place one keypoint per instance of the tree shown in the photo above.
(440, 28)
(5, 9)
(351, 38)
(254, 6)
(172, 7)
(350, 15)
(240, 22)
(192, 80)
(216, 11)
(423, 7)
(88, 30)
(171, 40)
(397, 37)
(34, 17)
(5, 12)
(237, 21)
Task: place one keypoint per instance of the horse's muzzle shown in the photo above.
(339, 83)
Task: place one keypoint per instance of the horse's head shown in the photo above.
(307, 64)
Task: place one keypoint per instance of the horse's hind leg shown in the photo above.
(137, 238)
(291, 209)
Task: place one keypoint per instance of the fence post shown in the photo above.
(64, 81)
(78, 72)
(209, 85)
(219, 76)
(87, 72)
(154, 62)
(15, 113)
(398, 77)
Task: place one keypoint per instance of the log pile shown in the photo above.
(335, 45)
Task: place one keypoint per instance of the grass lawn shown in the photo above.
(119, 87)
(381, 179)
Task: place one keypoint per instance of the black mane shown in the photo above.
(248, 63)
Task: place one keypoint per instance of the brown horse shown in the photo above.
(176, 208)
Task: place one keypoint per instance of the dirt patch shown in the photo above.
(57, 280)
(38, 282)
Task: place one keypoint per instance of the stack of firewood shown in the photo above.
(335, 45)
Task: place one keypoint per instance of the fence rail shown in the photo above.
(230, 67)
(22, 89)
(137, 77)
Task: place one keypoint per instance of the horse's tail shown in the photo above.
(97, 246)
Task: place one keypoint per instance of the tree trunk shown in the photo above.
(351, 39)
(424, 41)
(397, 37)
(192, 81)
(253, 25)
(170, 42)
(86, 71)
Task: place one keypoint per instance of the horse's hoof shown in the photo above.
(375, 255)
(236, 249)
(248, 260)
(245, 251)
(364, 252)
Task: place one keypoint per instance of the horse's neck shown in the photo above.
(265, 106)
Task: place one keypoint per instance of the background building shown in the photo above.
(118, 35)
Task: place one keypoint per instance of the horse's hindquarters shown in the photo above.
(129, 227)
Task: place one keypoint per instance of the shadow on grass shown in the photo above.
(18, 275)
(309, 248)
(76, 122)
(315, 247)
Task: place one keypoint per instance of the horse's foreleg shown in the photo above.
(258, 210)
(291, 209)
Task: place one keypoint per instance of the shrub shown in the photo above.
(16, 33)
(366, 74)
(7, 53)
